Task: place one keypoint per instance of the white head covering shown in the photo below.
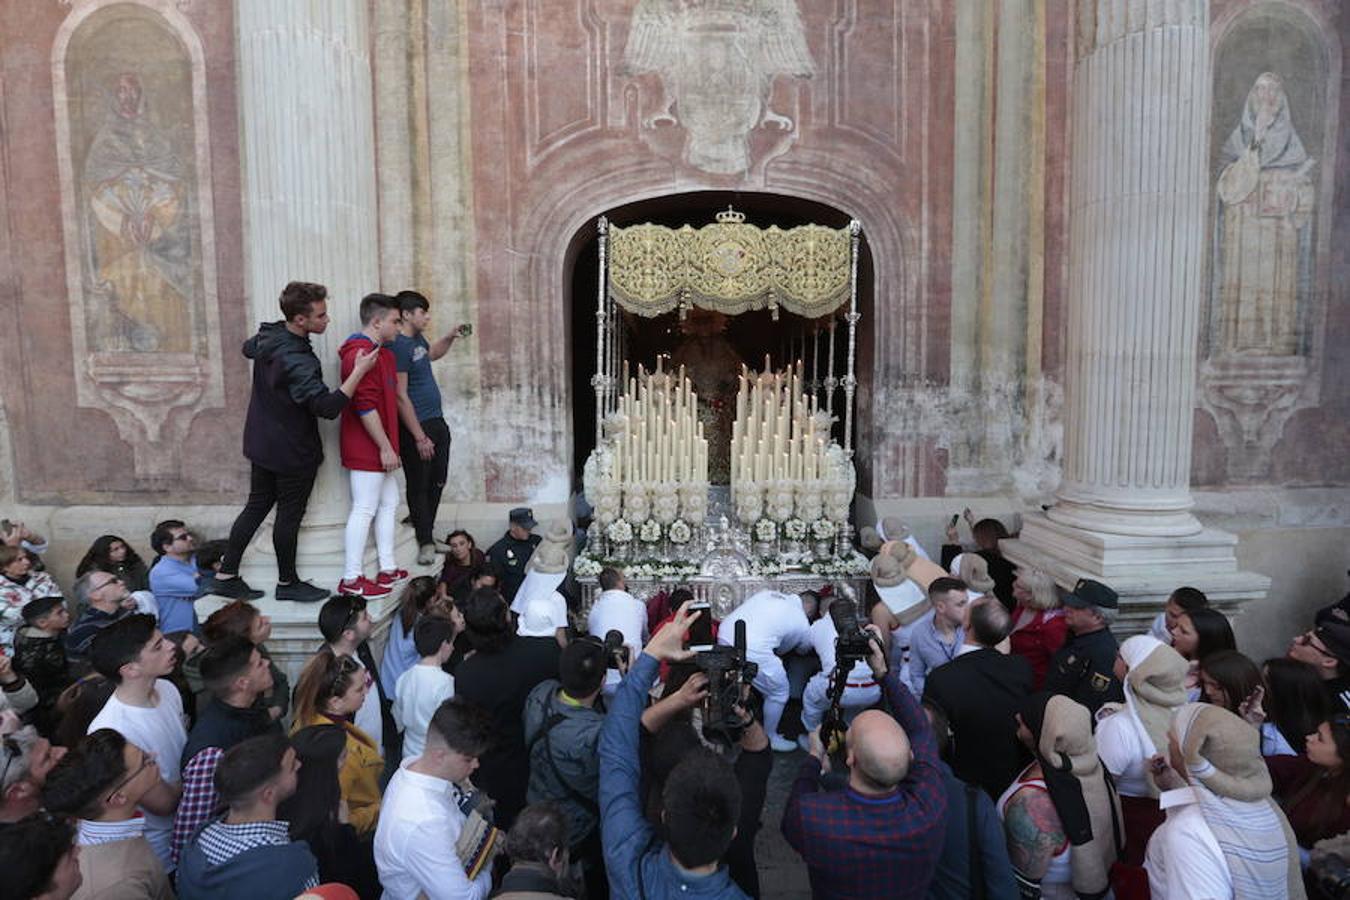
(536, 584)
(542, 616)
(1152, 691)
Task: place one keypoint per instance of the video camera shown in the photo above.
(728, 671)
(616, 651)
(851, 645)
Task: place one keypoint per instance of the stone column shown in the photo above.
(1137, 213)
(1139, 188)
(309, 186)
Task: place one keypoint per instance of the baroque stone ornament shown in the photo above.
(717, 61)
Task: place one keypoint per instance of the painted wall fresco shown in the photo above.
(120, 176)
(1273, 161)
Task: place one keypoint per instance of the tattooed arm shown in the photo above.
(1035, 837)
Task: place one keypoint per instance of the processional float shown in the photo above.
(785, 519)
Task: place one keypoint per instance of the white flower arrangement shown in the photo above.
(620, 531)
(766, 566)
(649, 532)
(823, 530)
(794, 529)
(841, 567)
(585, 567)
(679, 532)
(659, 571)
(766, 530)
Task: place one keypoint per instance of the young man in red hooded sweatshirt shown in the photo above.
(369, 443)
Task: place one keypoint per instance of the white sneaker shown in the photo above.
(781, 744)
(804, 742)
(426, 554)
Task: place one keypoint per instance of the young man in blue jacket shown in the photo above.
(701, 799)
(281, 438)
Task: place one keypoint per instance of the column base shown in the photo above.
(319, 560)
(1142, 570)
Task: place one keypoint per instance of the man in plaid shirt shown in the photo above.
(880, 836)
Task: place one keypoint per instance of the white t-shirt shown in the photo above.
(774, 623)
(1124, 754)
(159, 731)
(621, 611)
(421, 691)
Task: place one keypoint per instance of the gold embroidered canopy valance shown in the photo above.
(730, 266)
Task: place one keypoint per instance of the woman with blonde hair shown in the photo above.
(1039, 626)
(330, 691)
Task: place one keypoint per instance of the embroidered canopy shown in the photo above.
(730, 266)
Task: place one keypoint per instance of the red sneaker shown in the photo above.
(362, 587)
(388, 579)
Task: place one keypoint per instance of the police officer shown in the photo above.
(510, 554)
(1083, 669)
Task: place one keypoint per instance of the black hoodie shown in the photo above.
(281, 433)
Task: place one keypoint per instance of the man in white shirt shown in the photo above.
(145, 709)
(617, 610)
(425, 686)
(421, 821)
(861, 689)
(775, 623)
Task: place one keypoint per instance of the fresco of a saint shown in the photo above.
(1263, 242)
(139, 242)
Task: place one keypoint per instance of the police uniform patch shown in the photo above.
(1100, 682)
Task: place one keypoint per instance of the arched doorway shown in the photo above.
(749, 336)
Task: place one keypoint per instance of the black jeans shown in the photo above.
(290, 495)
(425, 477)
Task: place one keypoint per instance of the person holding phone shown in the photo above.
(424, 438)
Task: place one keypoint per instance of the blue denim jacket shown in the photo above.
(639, 865)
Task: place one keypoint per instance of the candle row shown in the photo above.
(774, 435)
(663, 440)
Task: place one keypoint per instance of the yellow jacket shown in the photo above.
(360, 774)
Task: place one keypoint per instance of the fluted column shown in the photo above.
(306, 113)
(1137, 208)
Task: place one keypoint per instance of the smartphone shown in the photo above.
(700, 633)
(956, 517)
(466, 329)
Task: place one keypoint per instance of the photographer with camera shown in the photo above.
(617, 610)
(838, 640)
(701, 801)
(881, 836)
(775, 623)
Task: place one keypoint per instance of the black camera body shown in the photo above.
(1331, 876)
(851, 643)
(616, 651)
(728, 671)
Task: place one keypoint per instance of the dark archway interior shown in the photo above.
(752, 334)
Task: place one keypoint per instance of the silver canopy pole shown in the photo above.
(599, 379)
(850, 379)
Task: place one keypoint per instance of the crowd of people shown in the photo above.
(508, 739)
(960, 727)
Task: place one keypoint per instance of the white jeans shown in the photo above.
(374, 496)
(816, 699)
(772, 683)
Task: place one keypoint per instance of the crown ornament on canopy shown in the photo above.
(731, 216)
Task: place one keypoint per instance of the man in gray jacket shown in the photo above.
(562, 731)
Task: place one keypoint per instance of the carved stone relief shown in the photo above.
(717, 61)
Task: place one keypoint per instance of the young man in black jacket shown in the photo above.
(281, 438)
